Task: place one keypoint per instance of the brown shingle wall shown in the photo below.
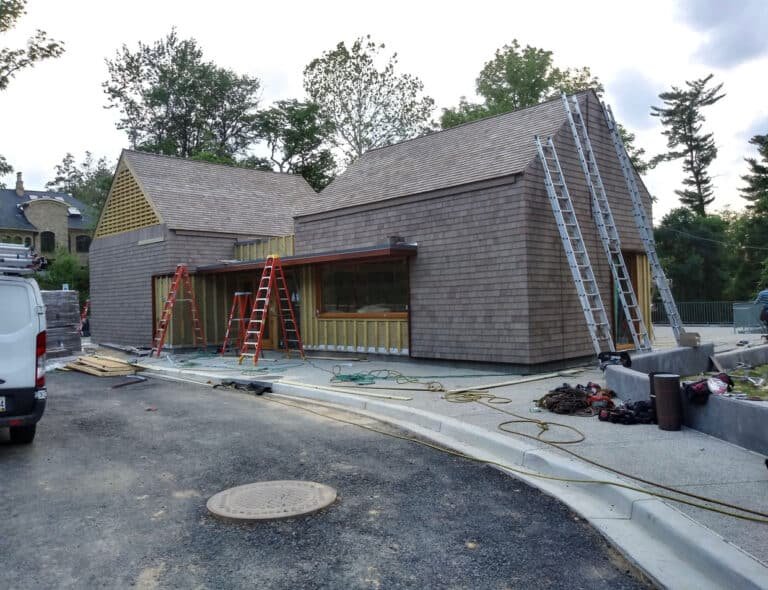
(121, 296)
(468, 293)
(121, 278)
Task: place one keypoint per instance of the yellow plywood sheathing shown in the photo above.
(258, 249)
(127, 207)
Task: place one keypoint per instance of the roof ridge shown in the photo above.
(475, 121)
(216, 164)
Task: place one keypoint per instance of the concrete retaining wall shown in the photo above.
(737, 421)
(756, 355)
(680, 361)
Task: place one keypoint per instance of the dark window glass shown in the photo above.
(28, 242)
(82, 243)
(47, 241)
(376, 287)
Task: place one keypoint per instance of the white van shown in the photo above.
(22, 353)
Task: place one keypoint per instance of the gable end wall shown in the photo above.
(558, 328)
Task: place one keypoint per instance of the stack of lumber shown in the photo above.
(101, 366)
(62, 318)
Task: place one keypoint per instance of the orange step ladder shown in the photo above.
(272, 280)
(238, 317)
(180, 278)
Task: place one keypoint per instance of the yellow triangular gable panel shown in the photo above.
(127, 207)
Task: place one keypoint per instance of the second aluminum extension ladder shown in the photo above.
(575, 248)
(606, 226)
(646, 230)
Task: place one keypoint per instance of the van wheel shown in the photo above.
(23, 434)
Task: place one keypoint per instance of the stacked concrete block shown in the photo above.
(62, 315)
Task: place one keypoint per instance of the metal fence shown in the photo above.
(711, 313)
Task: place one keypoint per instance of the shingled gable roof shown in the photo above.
(201, 196)
(488, 148)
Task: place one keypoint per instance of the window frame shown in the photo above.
(44, 235)
(80, 238)
(346, 315)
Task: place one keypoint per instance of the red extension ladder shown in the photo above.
(272, 278)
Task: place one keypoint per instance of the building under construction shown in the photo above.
(442, 247)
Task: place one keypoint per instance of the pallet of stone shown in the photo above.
(101, 366)
(65, 337)
(62, 308)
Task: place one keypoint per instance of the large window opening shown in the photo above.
(47, 242)
(82, 243)
(366, 288)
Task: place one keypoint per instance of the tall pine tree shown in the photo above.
(756, 191)
(683, 120)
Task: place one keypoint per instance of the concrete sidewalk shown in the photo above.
(678, 546)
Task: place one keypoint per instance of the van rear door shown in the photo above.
(20, 323)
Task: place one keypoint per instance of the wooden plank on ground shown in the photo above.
(83, 368)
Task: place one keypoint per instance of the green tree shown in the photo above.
(296, 136)
(748, 239)
(636, 154)
(5, 168)
(173, 102)
(517, 78)
(369, 106)
(65, 268)
(693, 251)
(89, 181)
(39, 47)
(749, 230)
(682, 119)
(521, 77)
(756, 191)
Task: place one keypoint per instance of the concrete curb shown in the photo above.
(672, 549)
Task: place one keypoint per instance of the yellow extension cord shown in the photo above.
(544, 426)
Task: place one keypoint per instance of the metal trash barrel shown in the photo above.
(665, 387)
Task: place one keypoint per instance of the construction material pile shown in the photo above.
(62, 316)
(101, 366)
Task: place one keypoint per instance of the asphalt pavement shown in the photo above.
(112, 495)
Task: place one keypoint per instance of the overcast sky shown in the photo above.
(637, 49)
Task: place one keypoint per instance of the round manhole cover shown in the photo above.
(269, 500)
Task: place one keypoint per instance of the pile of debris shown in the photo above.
(592, 400)
(62, 318)
(581, 400)
(101, 366)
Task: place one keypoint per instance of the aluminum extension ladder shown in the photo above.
(272, 279)
(645, 229)
(575, 248)
(180, 277)
(606, 226)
